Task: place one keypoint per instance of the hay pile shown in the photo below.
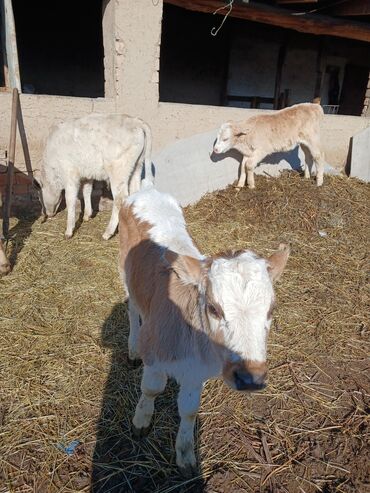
(65, 375)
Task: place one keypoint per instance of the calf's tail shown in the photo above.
(147, 151)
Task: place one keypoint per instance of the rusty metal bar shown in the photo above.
(11, 157)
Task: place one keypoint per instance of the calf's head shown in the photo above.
(49, 194)
(224, 141)
(236, 299)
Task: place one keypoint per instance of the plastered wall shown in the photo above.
(132, 82)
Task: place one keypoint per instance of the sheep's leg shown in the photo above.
(153, 383)
(86, 191)
(188, 406)
(71, 193)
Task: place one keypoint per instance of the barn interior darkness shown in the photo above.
(60, 47)
(239, 66)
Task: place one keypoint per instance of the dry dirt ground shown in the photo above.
(66, 382)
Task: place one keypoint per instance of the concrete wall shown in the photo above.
(360, 155)
(137, 30)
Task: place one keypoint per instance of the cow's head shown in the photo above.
(236, 299)
(225, 139)
(50, 195)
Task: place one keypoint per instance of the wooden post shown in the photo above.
(319, 71)
(11, 158)
(279, 70)
(11, 64)
(22, 133)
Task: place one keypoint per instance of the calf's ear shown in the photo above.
(188, 269)
(277, 261)
(36, 180)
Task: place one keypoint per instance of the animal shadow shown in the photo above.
(122, 464)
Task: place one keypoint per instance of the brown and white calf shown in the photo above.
(4, 262)
(94, 147)
(202, 317)
(282, 130)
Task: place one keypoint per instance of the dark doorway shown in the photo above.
(60, 47)
(353, 90)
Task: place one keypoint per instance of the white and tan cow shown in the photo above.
(4, 262)
(202, 317)
(94, 147)
(282, 130)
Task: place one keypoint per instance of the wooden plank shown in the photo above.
(314, 24)
(354, 7)
(10, 170)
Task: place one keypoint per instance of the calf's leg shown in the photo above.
(119, 192)
(71, 193)
(4, 262)
(153, 383)
(243, 175)
(188, 406)
(250, 164)
(86, 190)
(134, 319)
(313, 146)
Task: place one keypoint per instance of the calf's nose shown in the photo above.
(248, 381)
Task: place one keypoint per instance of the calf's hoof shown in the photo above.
(106, 236)
(140, 433)
(188, 471)
(4, 269)
(68, 236)
(87, 218)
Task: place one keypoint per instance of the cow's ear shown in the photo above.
(188, 269)
(277, 261)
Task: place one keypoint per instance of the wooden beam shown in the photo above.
(306, 23)
(354, 7)
(296, 1)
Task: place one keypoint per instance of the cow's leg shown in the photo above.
(152, 384)
(119, 192)
(87, 190)
(71, 193)
(134, 319)
(188, 406)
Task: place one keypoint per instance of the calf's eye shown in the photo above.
(213, 311)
